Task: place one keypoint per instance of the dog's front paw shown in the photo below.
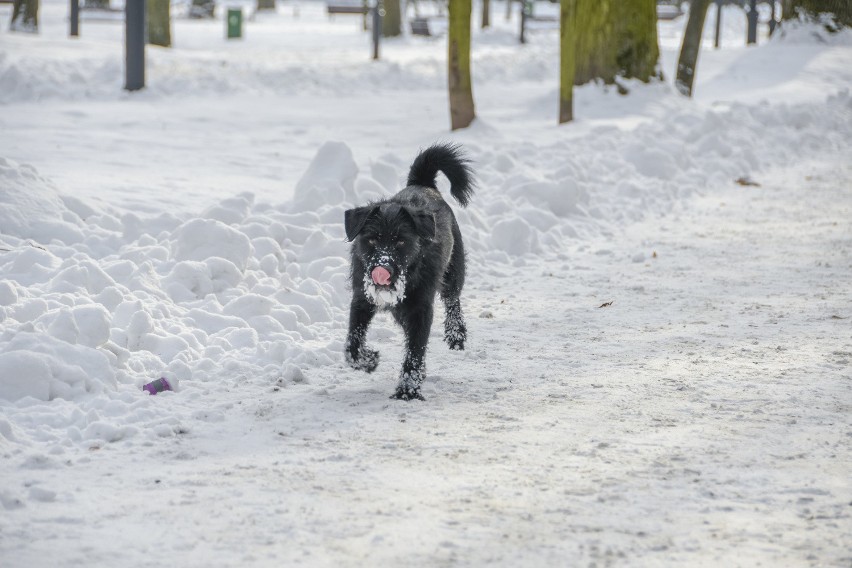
(455, 338)
(365, 360)
(407, 394)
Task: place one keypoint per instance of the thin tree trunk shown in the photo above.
(460, 84)
(159, 23)
(509, 9)
(24, 16)
(567, 35)
(688, 59)
(486, 13)
(392, 19)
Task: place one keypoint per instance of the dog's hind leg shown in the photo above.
(416, 323)
(357, 354)
(455, 330)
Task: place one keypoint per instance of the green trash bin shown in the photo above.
(234, 21)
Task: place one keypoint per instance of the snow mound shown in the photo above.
(45, 368)
(30, 207)
(201, 239)
(329, 179)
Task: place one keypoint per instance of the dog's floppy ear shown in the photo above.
(354, 220)
(424, 222)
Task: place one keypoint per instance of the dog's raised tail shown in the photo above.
(447, 158)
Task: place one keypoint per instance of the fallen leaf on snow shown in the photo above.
(747, 181)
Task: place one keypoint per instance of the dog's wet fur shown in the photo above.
(405, 250)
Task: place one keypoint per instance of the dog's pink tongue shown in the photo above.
(381, 276)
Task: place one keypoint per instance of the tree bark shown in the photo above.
(566, 60)
(637, 49)
(392, 19)
(616, 38)
(159, 23)
(460, 85)
(486, 13)
(690, 47)
(265, 5)
(594, 48)
(97, 4)
(840, 11)
(24, 16)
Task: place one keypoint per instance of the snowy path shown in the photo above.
(702, 419)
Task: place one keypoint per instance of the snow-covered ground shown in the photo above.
(194, 231)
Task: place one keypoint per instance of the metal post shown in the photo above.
(718, 23)
(772, 21)
(75, 18)
(134, 14)
(752, 22)
(377, 28)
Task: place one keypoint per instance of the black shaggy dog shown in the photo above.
(405, 250)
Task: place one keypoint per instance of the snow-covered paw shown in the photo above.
(455, 337)
(409, 384)
(365, 360)
(403, 393)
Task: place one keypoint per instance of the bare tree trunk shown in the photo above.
(509, 9)
(567, 35)
(159, 23)
(97, 4)
(24, 16)
(460, 84)
(392, 18)
(688, 59)
(486, 13)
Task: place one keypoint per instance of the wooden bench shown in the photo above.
(420, 26)
(346, 8)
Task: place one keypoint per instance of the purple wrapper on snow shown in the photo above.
(159, 385)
